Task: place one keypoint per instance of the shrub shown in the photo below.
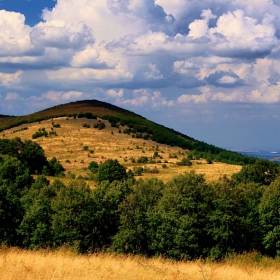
(111, 170)
(99, 125)
(93, 167)
(185, 162)
(142, 159)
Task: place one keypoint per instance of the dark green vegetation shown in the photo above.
(186, 218)
(31, 155)
(129, 123)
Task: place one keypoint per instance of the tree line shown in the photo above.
(184, 219)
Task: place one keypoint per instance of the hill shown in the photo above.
(177, 214)
(131, 124)
(5, 116)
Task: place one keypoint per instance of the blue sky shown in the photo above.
(209, 69)
(31, 9)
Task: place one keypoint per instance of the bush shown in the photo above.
(111, 170)
(54, 168)
(93, 167)
(185, 162)
(99, 125)
(142, 159)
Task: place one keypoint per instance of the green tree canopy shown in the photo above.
(111, 170)
(28, 152)
(270, 218)
(93, 167)
(262, 171)
(15, 179)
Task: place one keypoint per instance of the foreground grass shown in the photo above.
(20, 264)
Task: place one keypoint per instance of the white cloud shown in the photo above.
(114, 93)
(14, 35)
(72, 95)
(52, 95)
(126, 45)
(73, 36)
(90, 75)
(109, 21)
(153, 73)
(158, 100)
(7, 79)
(227, 80)
(244, 33)
(85, 58)
(200, 27)
(12, 96)
(147, 98)
(58, 96)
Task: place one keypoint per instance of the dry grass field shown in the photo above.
(76, 146)
(16, 264)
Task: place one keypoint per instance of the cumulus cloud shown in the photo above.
(153, 73)
(55, 35)
(12, 96)
(200, 27)
(148, 98)
(224, 79)
(70, 95)
(114, 94)
(14, 38)
(58, 96)
(7, 79)
(145, 52)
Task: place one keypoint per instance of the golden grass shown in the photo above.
(18, 264)
(72, 138)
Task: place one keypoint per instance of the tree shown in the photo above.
(28, 152)
(73, 216)
(270, 218)
(35, 228)
(107, 198)
(262, 171)
(15, 179)
(111, 170)
(134, 235)
(33, 156)
(54, 168)
(178, 224)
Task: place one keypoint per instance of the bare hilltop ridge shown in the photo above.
(80, 132)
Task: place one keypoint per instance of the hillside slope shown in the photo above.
(131, 124)
(76, 143)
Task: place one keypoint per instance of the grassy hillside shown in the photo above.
(75, 146)
(130, 124)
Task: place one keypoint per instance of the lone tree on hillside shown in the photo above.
(111, 170)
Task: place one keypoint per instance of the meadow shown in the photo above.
(18, 264)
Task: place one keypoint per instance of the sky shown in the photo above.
(207, 68)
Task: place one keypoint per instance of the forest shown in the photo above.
(184, 219)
